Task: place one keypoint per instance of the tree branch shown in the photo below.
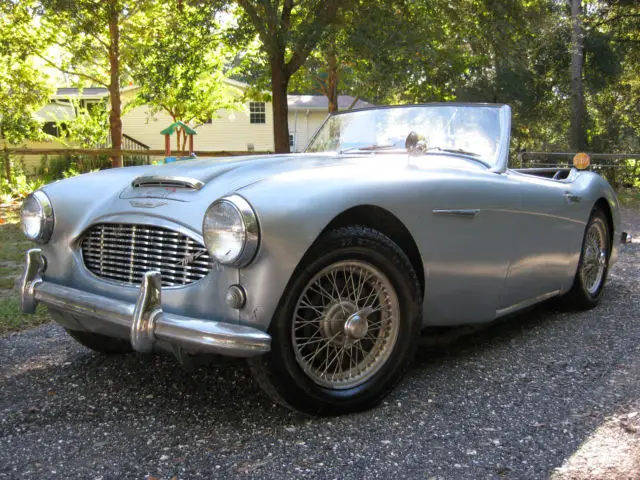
(321, 85)
(98, 39)
(324, 15)
(353, 104)
(614, 18)
(268, 41)
(286, 13)
(71, 72)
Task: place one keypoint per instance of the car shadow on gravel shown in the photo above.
(514, 398)
(136, 381)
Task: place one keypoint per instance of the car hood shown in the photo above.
(120, 194)
(176, 180)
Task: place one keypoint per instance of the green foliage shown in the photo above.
(90, 127)
(81, 29)
(23, 87)
(384, 51)
(19, 186)
(179, 65)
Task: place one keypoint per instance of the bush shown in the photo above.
(18, 188)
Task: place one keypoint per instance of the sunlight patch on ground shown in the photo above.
(611, 452)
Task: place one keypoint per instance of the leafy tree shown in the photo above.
(179, 66)
(23, 88)
(289, 31)
(89, 127)
(96, 39)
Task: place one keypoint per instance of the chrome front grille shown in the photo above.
(124, 252)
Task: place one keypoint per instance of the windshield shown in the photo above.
(472, 130)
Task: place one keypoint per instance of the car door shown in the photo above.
(468, 221)
(541, 263)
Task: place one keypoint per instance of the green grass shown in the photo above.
(629, 197)
(12, 318)
(13, 244)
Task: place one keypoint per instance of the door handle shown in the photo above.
(571, 198)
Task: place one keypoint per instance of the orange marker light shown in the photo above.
(581, 160)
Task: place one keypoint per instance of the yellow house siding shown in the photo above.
(140, 124)
(304, 123)
(231, 130)
(32, 163)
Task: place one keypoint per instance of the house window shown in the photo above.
(257, 112)
(292, 142)
(51, 128)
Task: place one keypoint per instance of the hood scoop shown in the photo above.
(161, 181)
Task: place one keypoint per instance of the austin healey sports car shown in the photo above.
(320, 268)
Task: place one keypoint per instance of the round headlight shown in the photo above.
(37, 217)
(230, 231)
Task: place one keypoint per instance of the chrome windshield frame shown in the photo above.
(502, 153)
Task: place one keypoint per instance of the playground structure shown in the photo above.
(178, 128)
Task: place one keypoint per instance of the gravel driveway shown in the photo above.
(515, 400)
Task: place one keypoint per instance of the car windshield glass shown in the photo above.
(470, 130)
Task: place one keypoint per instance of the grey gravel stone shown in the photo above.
(513, 400)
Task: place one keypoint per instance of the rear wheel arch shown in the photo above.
(603, 205)
(382, 220)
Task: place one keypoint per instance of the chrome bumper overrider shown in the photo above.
(145, 320)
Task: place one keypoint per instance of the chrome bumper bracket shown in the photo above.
(32, 276)
(145, 320)
(148, 307)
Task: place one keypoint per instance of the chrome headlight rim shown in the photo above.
(250, 225)
(47, 219)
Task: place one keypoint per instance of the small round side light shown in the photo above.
(236, 297)
(581, 160)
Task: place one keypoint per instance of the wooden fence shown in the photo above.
(50, 163)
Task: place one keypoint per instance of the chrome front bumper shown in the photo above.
(145, 321)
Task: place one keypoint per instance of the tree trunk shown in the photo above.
(115, 116)
(7, 165)
(279, 85)
(332, 79)
(577, 89)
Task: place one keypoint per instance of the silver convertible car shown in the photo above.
(320, 268)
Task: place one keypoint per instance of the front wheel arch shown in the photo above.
(385, 222)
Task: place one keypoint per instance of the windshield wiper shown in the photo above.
(368, 148)
(452, 150)
(474, 156)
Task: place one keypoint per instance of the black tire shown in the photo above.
(280, 373)
(101, 343)
(585, 295)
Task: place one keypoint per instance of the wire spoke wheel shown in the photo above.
(345, 324)
(594, 258)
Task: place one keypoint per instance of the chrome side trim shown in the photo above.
(145, 320)
(526, 303)
(457, 213)
(167, 181)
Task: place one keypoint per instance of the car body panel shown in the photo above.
(491, 241)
